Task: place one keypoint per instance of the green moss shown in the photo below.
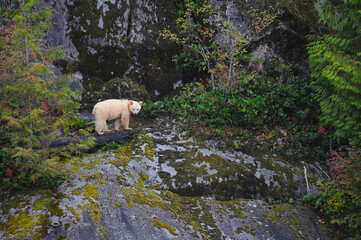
(78, 163)
(233, 208)
(55, 210)
(149, 147)
(122, 155)
(43, 223)
(221, 176)
(62, 237)
(246, 229)
(159, 224)
(140, 184)
(283, 214)
(92, 163)
(41, 204)
(21, 224)
(179, 206)
(66, 226)
(133, 195)
(98, 176)
(78, 192)
(94, 214)
(143, 176)
(18, 226)
(14, 202)
(91, 194)
(46, 192)
(74, 212)
(104, 234)
(82, 207)
(91, 191)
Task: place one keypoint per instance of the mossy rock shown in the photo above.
(123, 191)
(126, 88)
(90, 93)
(116, 88)
(285, 38)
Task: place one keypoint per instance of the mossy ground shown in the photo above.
(158, 224)
(143, 178)
(22, 220)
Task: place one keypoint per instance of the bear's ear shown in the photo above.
(140, 103)
(130, 103)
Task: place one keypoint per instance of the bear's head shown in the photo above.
(134, 107)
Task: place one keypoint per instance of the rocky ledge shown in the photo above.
(164, 184)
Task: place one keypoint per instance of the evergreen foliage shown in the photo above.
(34, 105)
(335, 59)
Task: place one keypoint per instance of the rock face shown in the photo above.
(164, 184)
(109, 39)
(116, 88)
(286, 37)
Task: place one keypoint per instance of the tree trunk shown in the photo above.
(100, 140)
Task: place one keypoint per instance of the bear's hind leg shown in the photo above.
(105, 128)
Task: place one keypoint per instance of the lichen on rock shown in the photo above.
(164, 184)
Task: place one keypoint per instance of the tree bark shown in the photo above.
(100, 140)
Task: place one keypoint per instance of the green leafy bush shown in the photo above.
(256, 102)
(341, 199)
(112, 145)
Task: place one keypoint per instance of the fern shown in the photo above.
(335, 60)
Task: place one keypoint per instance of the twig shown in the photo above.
(318, 165)
(305, 171)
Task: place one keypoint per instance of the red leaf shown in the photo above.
(9, 172)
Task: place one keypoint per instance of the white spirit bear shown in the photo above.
(111, 109)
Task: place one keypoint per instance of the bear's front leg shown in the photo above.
(117, 124)
(125, 122)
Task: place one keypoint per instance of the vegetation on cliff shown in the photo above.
(35, 106)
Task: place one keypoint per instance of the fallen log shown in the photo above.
(100, 140)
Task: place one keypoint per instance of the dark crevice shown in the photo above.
(130, 18)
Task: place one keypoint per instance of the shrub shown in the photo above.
(213, 44)
(341, 198)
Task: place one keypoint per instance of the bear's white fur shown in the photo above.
(118, 109)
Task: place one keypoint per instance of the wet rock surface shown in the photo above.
(164, 184)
